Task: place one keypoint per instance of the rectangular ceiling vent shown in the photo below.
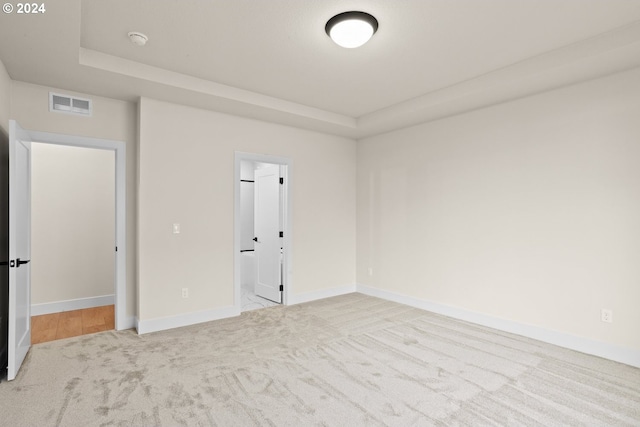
(69, 104)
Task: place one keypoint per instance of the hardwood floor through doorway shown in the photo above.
(55, 326)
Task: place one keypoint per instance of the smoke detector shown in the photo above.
(137, 38)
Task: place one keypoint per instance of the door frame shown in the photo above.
(287, 173)
(119, 147)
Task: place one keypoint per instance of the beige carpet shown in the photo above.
(345, 361)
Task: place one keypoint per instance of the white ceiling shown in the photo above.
(272, 60)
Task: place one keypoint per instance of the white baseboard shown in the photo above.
(325, 293)
(585, 345)
(72, 304)
(164, 323)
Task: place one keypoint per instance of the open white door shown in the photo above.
(19, 248)
(267, 248)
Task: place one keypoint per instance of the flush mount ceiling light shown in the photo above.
(351, 29)
(137, 38)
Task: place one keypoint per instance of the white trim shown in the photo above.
(121, 239)
(288, 226)
(585, 345)
(170, 322)
(71, 304)
(324, 293)
(119, 148)
(178, 321)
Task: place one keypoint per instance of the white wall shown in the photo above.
(186, 176)
(246, 205)
(247, 169)
(247, 210)
(5, 99)
(72, 223)
(527, 211)
(112, 119)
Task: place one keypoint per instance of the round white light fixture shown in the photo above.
(351, 29)
(137, 38)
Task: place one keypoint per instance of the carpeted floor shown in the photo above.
(352, 360)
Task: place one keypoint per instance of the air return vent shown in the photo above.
(69, 104)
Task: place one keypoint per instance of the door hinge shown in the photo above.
(282, 234)
(281, 288)
(12, 263)
(281, 180)
(116, 249)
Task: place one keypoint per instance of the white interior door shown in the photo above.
(267, 247)
(19, 248)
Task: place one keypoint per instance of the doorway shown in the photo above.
(262, 231)
(118, 148)
(20, 140)
(73, 241)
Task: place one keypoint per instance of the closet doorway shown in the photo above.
(73, 241)
(20, 262)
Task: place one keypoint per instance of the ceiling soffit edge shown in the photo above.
(114, 64)
(607, 53)
(596, 57)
